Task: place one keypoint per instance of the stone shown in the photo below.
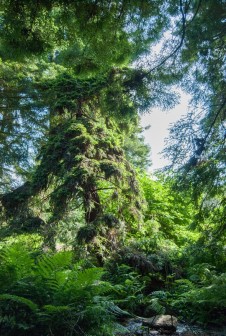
(165, 322)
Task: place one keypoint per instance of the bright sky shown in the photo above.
(160, 122)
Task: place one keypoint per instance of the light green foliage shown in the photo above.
(168, 213)
(30, 241)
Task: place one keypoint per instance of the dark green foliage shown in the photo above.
(86, 234)
(131, 290)
(205, 303)
(50, 294)
(35, 27)
(17, 315)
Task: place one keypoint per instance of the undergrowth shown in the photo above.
(48, 294)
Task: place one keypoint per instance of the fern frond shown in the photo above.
(51, 309)
(115, 310)
(19, 299)
(156, 306)
(88, 277)
(45, 266)
(49, 264)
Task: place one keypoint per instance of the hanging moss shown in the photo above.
(86, 234)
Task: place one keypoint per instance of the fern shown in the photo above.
(156, 306)
(112, 308)
(48, 264)
(206, 303)
(53, 272)
(88, 277)
(54, 313)
(50, 309)
(17, 314)
(16, 262)
(55, 296)
(20, 300)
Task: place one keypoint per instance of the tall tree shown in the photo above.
(88, 65)
(73, 60)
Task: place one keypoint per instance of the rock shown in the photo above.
(165, 322)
